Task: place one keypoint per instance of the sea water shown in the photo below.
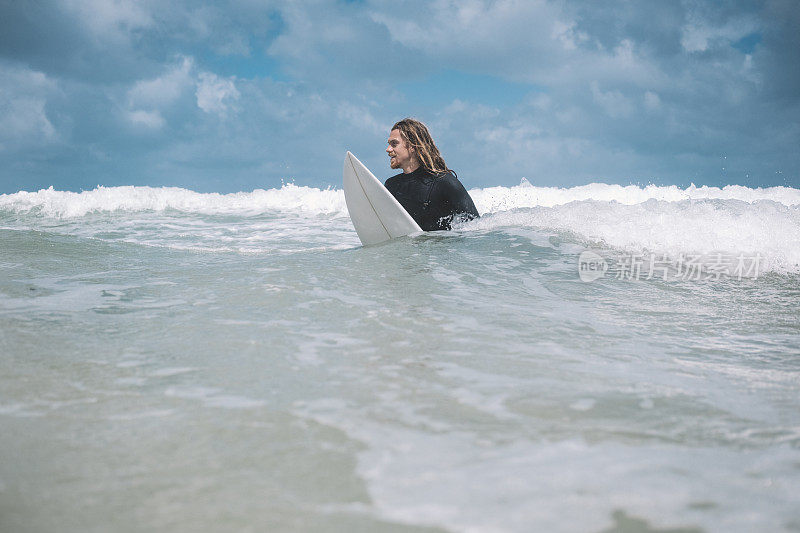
(597, 358)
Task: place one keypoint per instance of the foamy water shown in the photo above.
(651, 219)
(178, 361)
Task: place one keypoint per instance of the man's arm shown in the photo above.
(456, 197)
(450, 199)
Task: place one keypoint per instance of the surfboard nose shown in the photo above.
(351, 159)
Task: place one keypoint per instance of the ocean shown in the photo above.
(596, 359)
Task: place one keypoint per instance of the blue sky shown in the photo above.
(242, 94)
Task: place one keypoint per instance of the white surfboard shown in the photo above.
(376, 214)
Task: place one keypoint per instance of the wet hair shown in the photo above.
(415, 134)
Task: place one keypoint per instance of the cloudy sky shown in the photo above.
(241, 94)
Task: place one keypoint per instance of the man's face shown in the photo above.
(400, 155)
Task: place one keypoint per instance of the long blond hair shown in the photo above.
(416, 135)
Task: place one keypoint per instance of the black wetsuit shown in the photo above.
(432, 200)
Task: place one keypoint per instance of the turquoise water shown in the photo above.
(171, 361)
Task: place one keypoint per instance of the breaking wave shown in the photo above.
(671, 220)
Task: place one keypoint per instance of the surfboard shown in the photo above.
(376, 214)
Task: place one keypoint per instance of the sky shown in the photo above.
(245, 94)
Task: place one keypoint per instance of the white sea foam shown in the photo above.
(703, 227)
(64, 204)
(493, 199)
(663, 220)
(670, 220)
(310, 200)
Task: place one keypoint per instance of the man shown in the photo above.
(427, 189)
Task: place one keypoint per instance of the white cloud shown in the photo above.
(310, 29)
(361, 118)
(700, 34)
(149, 119)
(26, 117)
(477, 30)
(111, 20)
(214, 93)
(651, 100)
(566, 34)
(148, 98)
(614, 103)
(537, 42)
(23, 98)
(163, 90)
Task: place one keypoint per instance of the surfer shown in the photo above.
(427, 189)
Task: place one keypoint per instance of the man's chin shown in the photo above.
(393, 164)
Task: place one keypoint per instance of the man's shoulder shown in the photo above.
(447, 181)
(393, 179)
(449, 176)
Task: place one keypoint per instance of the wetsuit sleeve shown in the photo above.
(451, 199)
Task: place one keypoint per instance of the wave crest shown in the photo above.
(494, 199)
(65, 204)
(310, 200)
(653, 219)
